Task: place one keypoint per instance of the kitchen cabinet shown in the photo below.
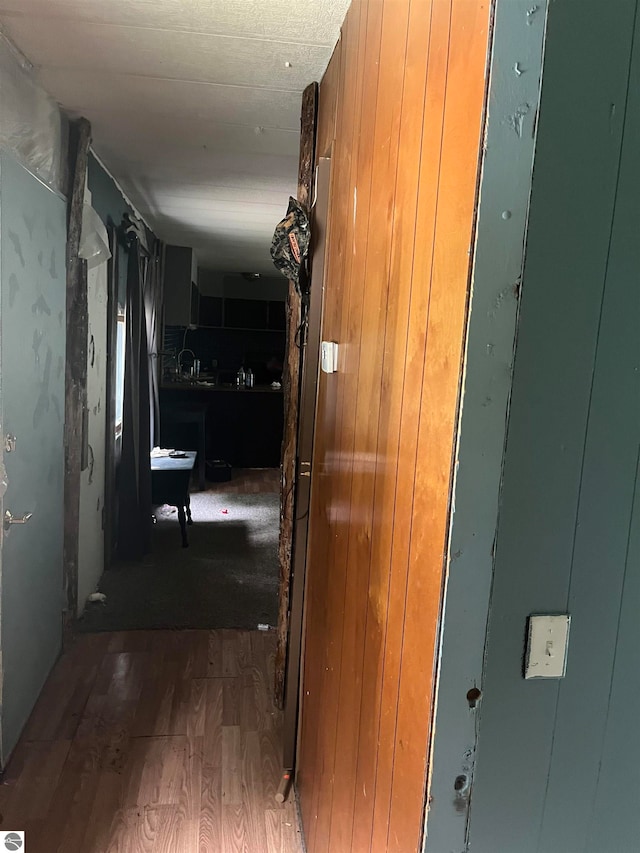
(257, 315)
(181, 296)
(243, 427)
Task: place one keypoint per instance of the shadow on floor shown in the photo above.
(227, 578)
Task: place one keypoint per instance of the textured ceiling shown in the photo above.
(192, 104)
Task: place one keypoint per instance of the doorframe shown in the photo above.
(306, 432)
(291, 389)
(75, 403)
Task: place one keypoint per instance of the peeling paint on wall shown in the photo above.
(516, 119)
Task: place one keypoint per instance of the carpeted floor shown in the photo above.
(226, 578)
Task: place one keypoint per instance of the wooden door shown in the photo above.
(403, 104)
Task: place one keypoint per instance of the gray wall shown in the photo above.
(557, 768)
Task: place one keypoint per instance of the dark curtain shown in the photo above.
(113, 445)
(134, 475)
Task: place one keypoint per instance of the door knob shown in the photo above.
(10, 519)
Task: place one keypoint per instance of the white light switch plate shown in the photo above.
(547, 645)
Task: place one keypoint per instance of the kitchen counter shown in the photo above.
(205, 386)
(243, 426)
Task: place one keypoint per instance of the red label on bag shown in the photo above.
(295, 248)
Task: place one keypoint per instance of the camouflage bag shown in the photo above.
(290, 244)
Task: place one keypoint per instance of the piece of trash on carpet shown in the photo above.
(97, 596)
(225, 512)
(262, 626)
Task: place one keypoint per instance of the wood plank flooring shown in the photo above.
(154, 742)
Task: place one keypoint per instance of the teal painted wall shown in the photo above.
(554, 765)
(110, 205)
(33, 235)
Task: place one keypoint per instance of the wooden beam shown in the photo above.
(76, 364)
(291, 388)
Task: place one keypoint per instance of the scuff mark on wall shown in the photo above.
(17, 245)
(14, 287)
(38, 337)
(52, 266)
(516, 119)
(41, 306)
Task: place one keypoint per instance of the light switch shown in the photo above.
(547, 645)
(329, 356)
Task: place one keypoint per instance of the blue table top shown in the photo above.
(174, 463)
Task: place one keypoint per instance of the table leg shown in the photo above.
(188, 506)
(183, 526)
(202, 463)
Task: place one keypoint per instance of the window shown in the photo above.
(121, 338)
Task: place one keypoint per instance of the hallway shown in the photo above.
(153, 741)
(226, 578)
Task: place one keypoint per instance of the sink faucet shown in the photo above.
(180, 354)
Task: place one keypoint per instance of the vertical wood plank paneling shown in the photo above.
(607, 494)
(442, 365)
(388, 249)
(339, 459)
(389, 406)
(318, 577)
(328, 105)
(410, 369)
(385, 37)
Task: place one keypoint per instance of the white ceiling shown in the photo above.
(192, 105)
